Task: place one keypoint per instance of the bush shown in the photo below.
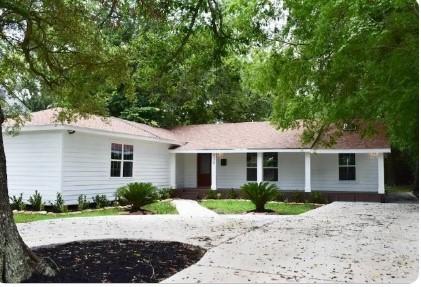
(233, 194)
(280, 197)
(59, 204)
(164, 193)
(82, 202)
(36, 201)
(100, 201)
(211, 194)
(260, 193)
(17, 203)
(298, 196)
(137, 194)
(318, 197)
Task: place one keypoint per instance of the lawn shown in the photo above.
(234, 206)
(161, 207)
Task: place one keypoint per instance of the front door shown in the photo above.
(204, 169)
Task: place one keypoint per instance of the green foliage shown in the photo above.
(82, 202)
(298, 196)
(36, 202)
(59, 205)
(17, 202)
(211, 194)
(260, 193)
(100, 201)
(318, 197)
(137, 194)
(341, 61)
(280, 197)
(233, 194)
(164, 193)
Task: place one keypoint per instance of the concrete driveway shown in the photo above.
(340, 242)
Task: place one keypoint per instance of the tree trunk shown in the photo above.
(17, 262)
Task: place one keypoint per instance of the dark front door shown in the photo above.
(204, 169)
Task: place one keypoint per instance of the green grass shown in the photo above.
(23, 217)
(160, 207)
(234, 206)
(399, 188)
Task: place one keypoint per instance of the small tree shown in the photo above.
(260, 193)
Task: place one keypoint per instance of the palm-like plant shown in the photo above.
(260, 193)
(137, 194)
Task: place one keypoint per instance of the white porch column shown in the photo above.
(307, 161)
(173, 170)
(259, 167)
(380, 168)
(213, 172)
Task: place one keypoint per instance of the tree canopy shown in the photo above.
(340, 61)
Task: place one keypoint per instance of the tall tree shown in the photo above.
(339, 61)
(55, 44)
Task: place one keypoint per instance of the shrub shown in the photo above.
(233, 194)
(280, 197)
(100, 201)
(59, 204)
(17, 203)
(298, 196)
(82, 202)
(318, 197)
(260, 193)
(211, 194)
(137, 194)
(36, 201)
(164, 193)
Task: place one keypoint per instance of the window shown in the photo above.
(270, 166)
(346, 166)
(251, 166)
(121, 160)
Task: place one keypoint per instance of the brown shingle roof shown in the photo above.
(108, 124)
(246, 135)
(263, 135)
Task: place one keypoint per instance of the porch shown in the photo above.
(344, 172)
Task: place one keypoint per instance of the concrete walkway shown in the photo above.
(340, 242)
(191, 208)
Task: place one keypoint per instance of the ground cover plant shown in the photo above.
(117, 261)
(238, 206)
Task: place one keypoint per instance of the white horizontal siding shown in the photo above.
(87, 160)
(33, 163)
(179, 170)
(190, 170)
(324, 172)
(234, 174)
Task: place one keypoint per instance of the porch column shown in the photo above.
(213, 172)
(380, 169)
(173, 170)
(307, 161)
(259, 167)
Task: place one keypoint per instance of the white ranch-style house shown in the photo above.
(96, 156)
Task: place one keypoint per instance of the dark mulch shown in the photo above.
(117, 261)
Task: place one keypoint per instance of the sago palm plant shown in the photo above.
(260, 193)
(137, 194)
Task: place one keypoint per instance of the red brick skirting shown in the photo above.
(193, 193)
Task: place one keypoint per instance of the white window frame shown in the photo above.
(251, 167)
(347, 165)
(271, 167)
(122, 160)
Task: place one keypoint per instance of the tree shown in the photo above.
(339, 61)
(54, 44)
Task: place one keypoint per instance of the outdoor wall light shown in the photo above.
(70, 132)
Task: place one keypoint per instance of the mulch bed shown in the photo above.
(117, 261)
